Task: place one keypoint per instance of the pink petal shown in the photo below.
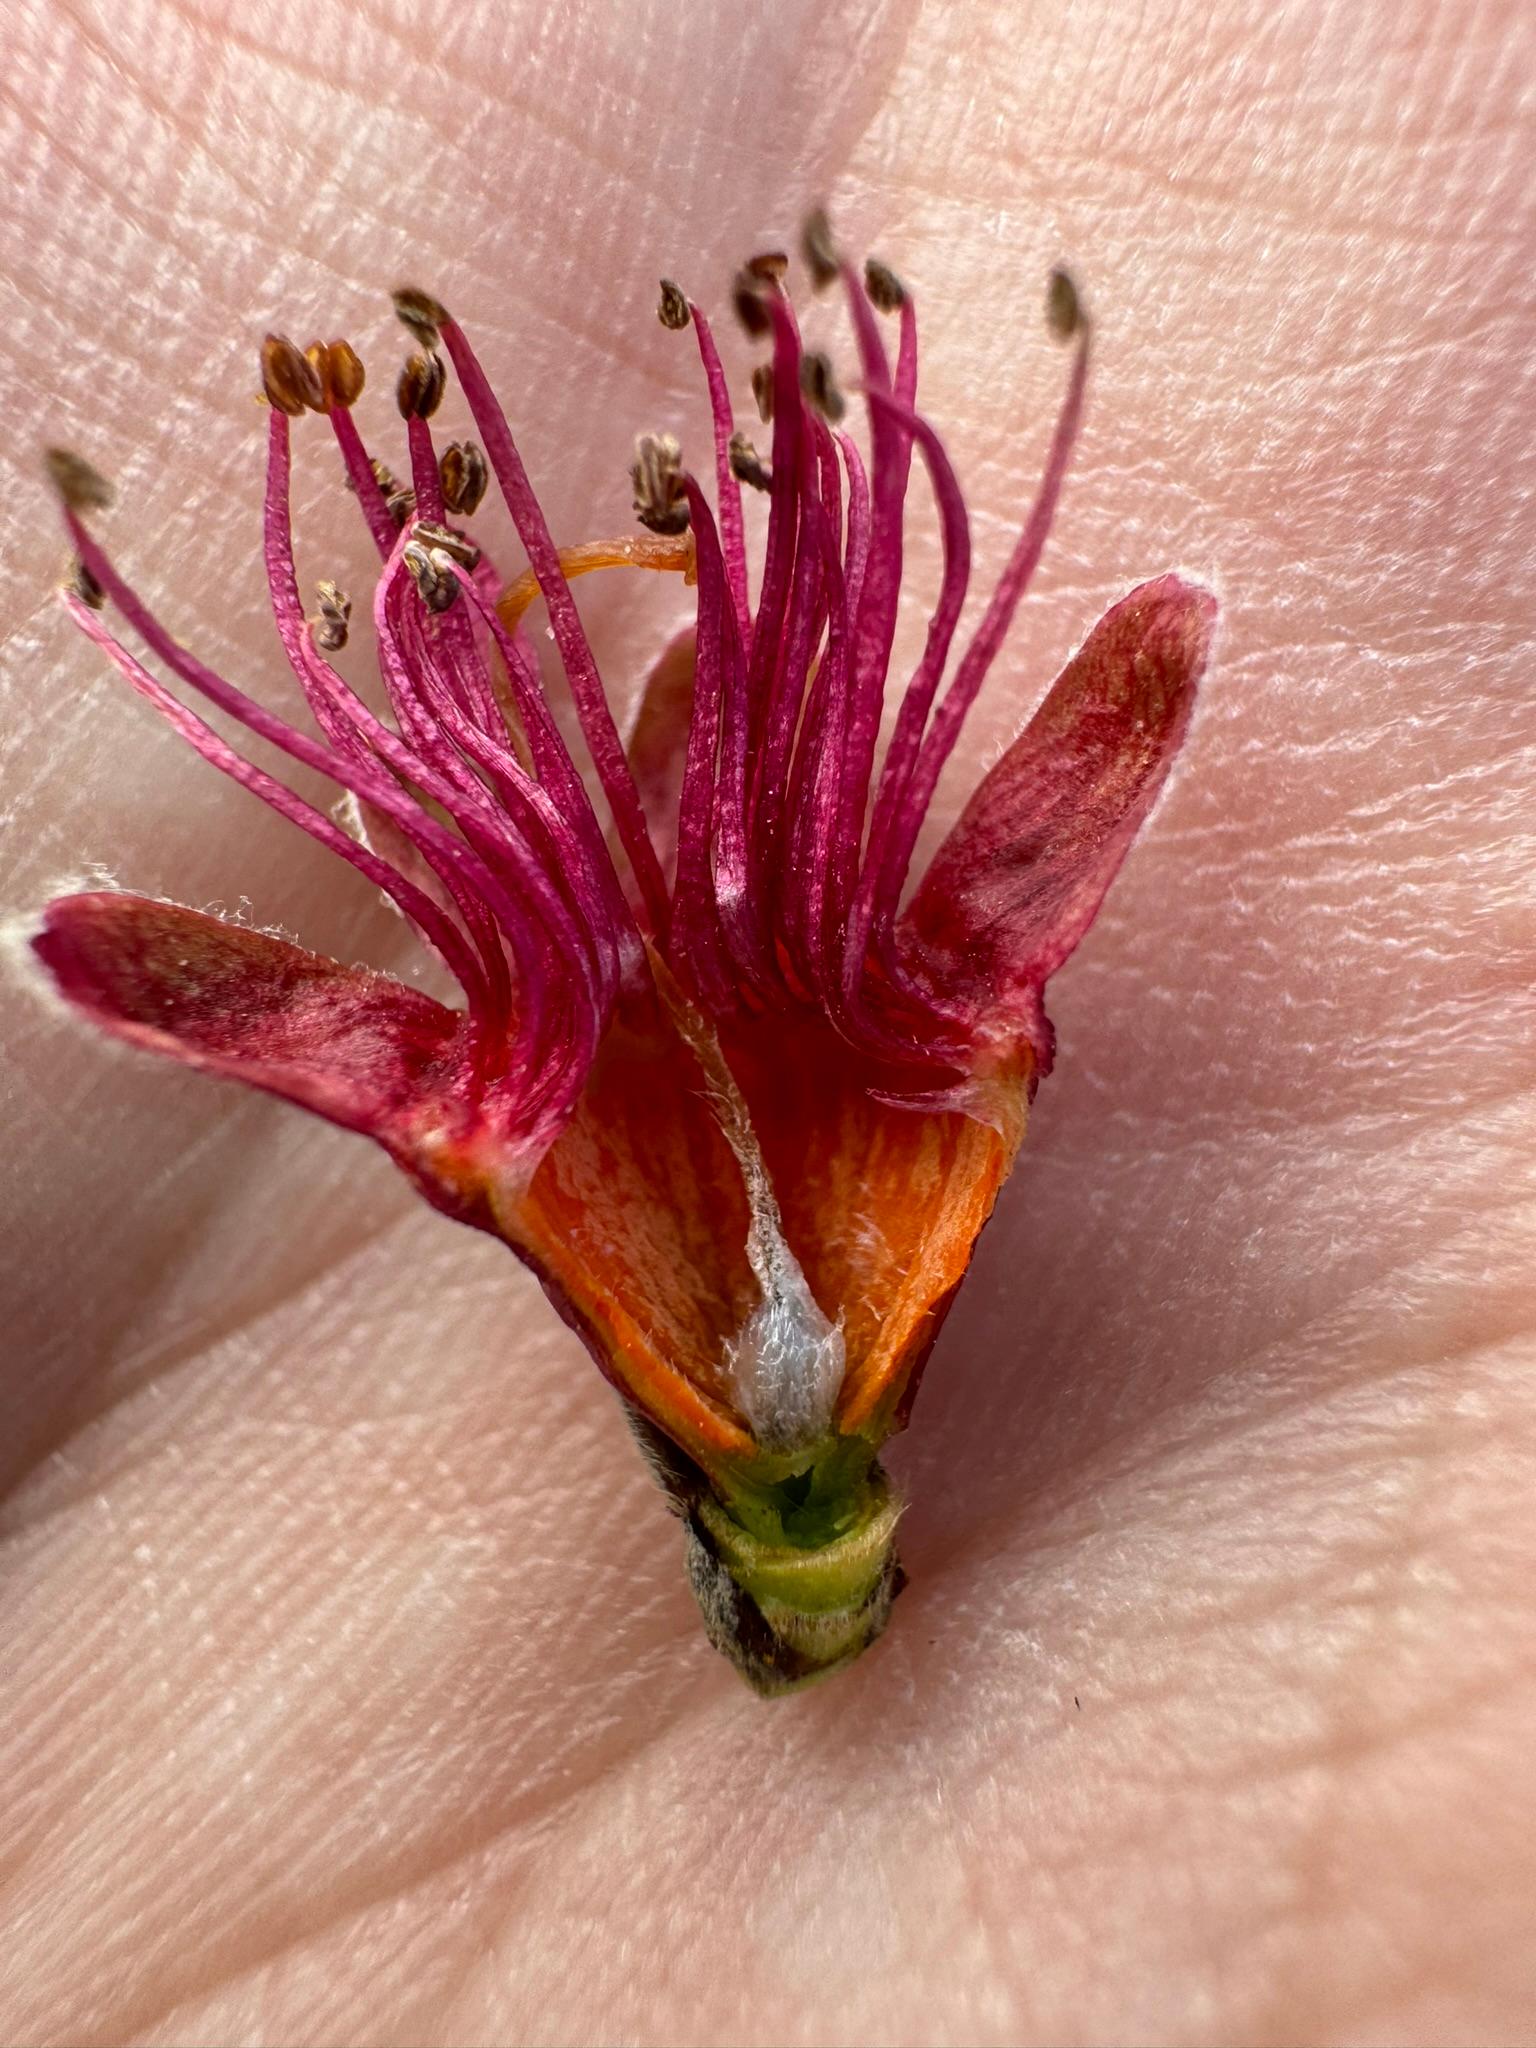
(1020, 878)
(658, 742)
(358, 1048)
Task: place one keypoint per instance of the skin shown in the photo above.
(349, 1686)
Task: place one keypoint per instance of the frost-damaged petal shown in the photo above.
(1020, 878)
(358, 1048)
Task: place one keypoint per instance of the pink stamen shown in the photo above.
(792, 854)
(891, 814)
(733, 545)
(441, 933)
(990, 634)
(602, 735)
(362, 479)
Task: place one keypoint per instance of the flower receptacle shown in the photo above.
(792, 1603)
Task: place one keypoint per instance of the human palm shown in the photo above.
(351, 1689)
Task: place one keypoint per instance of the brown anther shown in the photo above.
(772, 267)
(762, 391)
(82, 584)
(340, 372)
(420, 390)
(399, 499)
(887, 293)
(82, 488)
(818, 249)
(288, 377)
(328, 626)
(747, 466)
(464, 477)
(446, 540)
(751, 311)
(820, 386)
(433, 575)
(1064, 313)
(661, 502)
(422, 314)
(673, 310)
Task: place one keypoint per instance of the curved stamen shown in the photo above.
(592, 708)
(727, 490)
(1012, 584)
(739, 909)
(893, 825)
(361, 477)
(451, 856)
(439, 930)
(768, 636)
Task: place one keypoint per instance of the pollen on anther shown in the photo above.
(464, 477)
(339, 369)
(672, 310)
(422, 383)
(820, 386)
(747, 298)
(446, 540)
(747, 466)
(288, 377)
(1064, 312)
(82, 488)
(422, 314)
(762, 391)
(328, 626)
(661, 502)
(431, 570)
(887, 293)
(399, 499)
(770, 268)
(82, 584)
(818, 249)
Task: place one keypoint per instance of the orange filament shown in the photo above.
(633, 551)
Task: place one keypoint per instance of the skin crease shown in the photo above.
(349, 1686)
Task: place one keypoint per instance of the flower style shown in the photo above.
(741, 1105)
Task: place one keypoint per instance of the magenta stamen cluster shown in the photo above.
(792, 850)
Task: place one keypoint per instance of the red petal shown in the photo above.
(358, 1048)
(1020, 878)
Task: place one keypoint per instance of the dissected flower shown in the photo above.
(740, 1104)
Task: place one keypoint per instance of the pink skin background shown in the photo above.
(349, 1686)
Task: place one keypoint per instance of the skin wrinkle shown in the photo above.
(163, 1364)
(128, 2020)
(1305, 236)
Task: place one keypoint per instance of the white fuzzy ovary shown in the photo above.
(786, 1364)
